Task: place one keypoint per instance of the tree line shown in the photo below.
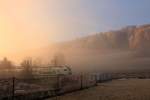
(26, 68)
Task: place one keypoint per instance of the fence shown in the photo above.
(49, 86)
(39, 88)
(6, 88)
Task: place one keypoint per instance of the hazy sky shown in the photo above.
(26, 24)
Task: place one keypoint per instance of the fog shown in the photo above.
(87, 61)
(97, 60)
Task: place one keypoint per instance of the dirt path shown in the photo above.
(131, 89)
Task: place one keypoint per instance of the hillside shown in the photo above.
(131, 37)
(127, 48)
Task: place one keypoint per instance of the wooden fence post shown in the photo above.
(81, 79)
(58, 84)
(13, 88)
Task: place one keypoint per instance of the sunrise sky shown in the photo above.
(27, 24)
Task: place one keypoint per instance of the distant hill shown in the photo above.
(127, 48)
(131, 37)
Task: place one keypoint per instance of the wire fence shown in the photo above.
(6, 89)
(50, 86)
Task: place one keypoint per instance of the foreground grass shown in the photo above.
(130, 89)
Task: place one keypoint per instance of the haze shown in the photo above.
(29, 24)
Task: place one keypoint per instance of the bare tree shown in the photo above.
(7, 67)
(27, 71)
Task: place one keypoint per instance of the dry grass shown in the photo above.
(130, 89)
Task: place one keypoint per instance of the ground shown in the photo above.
(124, 89)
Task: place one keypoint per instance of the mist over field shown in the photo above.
(90, 34)
(74, 49)
(124, 49)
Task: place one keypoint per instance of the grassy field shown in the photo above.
(125, 89)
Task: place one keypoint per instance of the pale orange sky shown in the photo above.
(19, 28)
(27, 24)
(24, 25)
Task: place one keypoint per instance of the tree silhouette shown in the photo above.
(7, 67)
(27, 71)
